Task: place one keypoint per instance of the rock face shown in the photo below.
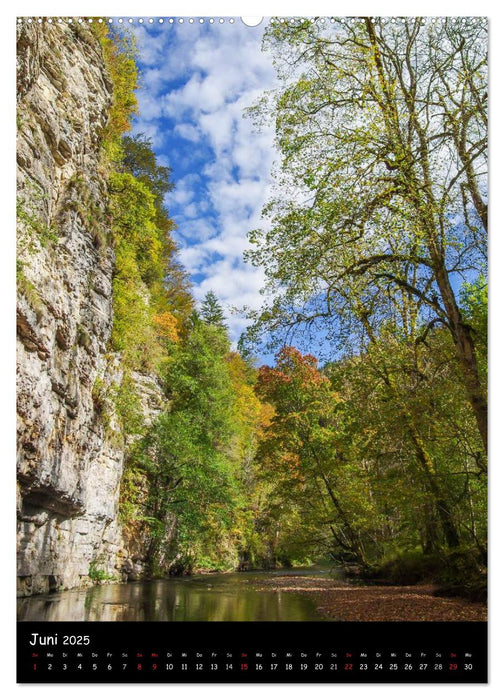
(70, 459)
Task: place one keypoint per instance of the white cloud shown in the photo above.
(180, 196)
(193, 258)
(188, 132)
(191, 212)
(148, 105)
(199, 230)
(150, 47)
(237, 199)
(151, 80)
(183, 194)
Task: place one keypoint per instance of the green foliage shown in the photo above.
(211, 310)
(148, 282)
(305, 453)
(133, 216)
(474, 299)
(192, 457)
(407, 416)
(408, 568)
(91, 211)
(474, 303)
(140, 161)
(98, 575)
(119, 55)
(138, 264)
(171, 290)
(132, 505)
(28, 289)
(186, 446)
(460, 572)
(128, 406)
(375, 459)
(33, 231)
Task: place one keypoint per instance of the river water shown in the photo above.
(205, 597)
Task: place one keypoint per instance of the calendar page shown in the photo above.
(252, 349)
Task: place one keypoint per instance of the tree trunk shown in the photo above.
(464, 344)
(431, 542)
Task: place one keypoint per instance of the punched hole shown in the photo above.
(252, 21)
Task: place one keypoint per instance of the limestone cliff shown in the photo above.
(70, 459)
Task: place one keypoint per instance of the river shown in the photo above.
(204, 597)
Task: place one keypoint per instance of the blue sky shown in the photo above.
(196, 82)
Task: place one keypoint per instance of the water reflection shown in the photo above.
(226, 597)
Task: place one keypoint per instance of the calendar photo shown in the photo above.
(252, 349)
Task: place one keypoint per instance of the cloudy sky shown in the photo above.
(196, 81)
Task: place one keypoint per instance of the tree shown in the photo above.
(140, 160)
(191, 486)
(119, 55)
(195, 460)
(382, 131)
(474, 299)
(145, 248)
(303, 452)
(211, 310)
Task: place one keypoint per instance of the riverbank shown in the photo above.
(362, 603)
